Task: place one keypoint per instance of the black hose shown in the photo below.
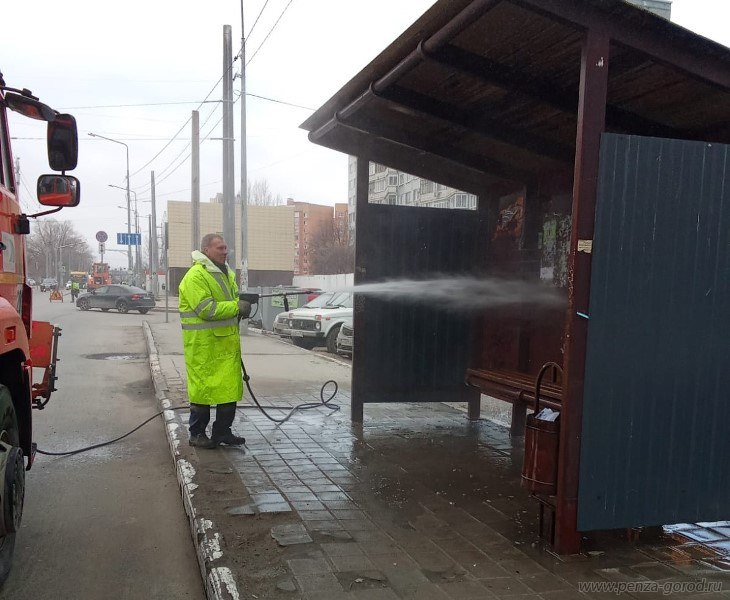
(246, 379)
(303, 406)
(100, 445)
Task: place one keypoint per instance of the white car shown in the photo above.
(282, 322)
(319, 326)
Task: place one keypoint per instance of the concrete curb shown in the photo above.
(219, 581)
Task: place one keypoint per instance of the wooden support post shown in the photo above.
(361, 230)
(591, 123)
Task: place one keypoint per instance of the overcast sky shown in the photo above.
(88, 56)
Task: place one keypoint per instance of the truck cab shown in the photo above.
(25, 344)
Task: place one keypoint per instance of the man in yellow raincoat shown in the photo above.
(209, 314)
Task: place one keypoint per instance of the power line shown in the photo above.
(179, 131)
(30, 194)
(176, 104)
(279, 101)
(236, 57)
(250, 31)
(184, 160)
(270, 32)
(148, 187)
(142, 104)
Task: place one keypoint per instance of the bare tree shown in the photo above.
(43, 249)
(331, 252)
(259, 194)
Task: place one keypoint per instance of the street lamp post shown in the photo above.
(60, 266)
(137, 255)
(129, 203)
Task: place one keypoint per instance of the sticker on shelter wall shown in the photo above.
(511, 218)
(554, 249)
(8, 252)
(585, 246)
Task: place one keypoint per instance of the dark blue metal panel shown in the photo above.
(410, 352)
(655, 446)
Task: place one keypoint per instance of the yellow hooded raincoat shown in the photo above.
(211, 342)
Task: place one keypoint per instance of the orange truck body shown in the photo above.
(27, 347)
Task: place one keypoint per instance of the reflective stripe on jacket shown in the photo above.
(211, 342)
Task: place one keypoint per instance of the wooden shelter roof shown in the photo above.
(481, 90)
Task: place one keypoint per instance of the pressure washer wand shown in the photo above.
(253, 298)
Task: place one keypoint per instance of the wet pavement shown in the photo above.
(416, 503)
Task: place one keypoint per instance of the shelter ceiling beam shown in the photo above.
(351, 140)
(422, 105)
(437, 147)
(649, 40)
(543, 91)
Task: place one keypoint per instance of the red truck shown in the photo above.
(25, 344)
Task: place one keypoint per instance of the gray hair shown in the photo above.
(208, 239)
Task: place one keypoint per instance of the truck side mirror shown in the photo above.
(58, 190)
(63, 143)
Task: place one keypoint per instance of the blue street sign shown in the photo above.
(129, 239)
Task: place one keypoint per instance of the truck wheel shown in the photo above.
(122, 307)
(332, 339)
(14, 485)
(83, 304)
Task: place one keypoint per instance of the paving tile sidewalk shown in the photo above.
(416, 503)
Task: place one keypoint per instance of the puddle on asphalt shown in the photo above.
(116, 356)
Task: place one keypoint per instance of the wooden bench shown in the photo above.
(518, 389)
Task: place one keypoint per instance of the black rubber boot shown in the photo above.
(222, 434)
(202, 441)
(229, 438)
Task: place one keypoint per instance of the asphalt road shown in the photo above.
(108, 523)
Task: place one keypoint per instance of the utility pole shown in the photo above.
(152, 272)
(244, 174)
(195, 184)
(153, 238)
(137, 247)
(229, 207)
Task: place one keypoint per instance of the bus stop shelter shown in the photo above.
(594, 134)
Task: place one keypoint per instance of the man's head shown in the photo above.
(214, 247)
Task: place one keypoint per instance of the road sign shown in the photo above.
(129, 239)
(101, 236)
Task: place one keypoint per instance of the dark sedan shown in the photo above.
(119, 297)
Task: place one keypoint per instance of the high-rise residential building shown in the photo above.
(309, 221)
(342, 220)
(390, 186)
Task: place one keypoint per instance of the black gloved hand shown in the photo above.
(244, 308)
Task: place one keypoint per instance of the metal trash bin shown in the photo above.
(542, 443)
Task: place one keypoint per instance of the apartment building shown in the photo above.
(310, 220)
(270, 240)
(390, 186)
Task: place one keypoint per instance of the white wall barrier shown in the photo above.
(328, 283)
